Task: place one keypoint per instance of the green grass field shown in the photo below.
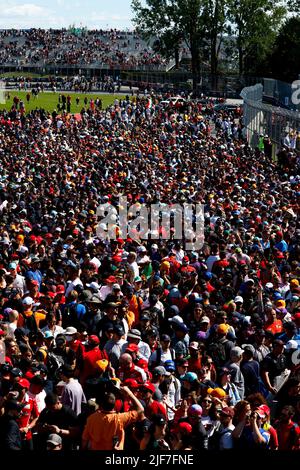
(22, 74)
(49, 101)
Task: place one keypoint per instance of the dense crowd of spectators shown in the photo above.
(132, 343)
(112, 49)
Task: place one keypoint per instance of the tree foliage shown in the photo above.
(203, 24)
(284, 59)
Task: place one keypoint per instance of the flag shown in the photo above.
(149, 103)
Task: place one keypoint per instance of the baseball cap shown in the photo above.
(169, 366)
(181, 327)
(194, 410)
(48, 335)
(165, 337)
(160, 370)
(265, 409)
(218, 393)
(70, 330)
(227, 411)
(15, 372)
(184, 428)
(224, 371)
(132, 347)
(54, 439)
(189, 377)
(28, 301)
(134, 333)
(194, 345)
(223, 328)
(93, 285)
(204, 319)
(249, 347)
(119, 330)
(144, 317)
(23, 383)
(238, 298)
(148, 386)
(176, 319)
(131, 383)
(12, 266)
(93, 339)
(291, 345)
(236, 351)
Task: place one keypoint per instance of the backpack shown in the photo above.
(217, 351)
(158, 356)
(70, 317)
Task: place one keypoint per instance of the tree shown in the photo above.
(196, 22)
(284, 58)
(255, 24)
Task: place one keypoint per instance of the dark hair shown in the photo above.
(67, 370)
(51, 399)
(106, 401)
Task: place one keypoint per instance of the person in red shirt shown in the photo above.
(273, 444)
(273, 324)
(195, 357)
(288, 432)
(29, 415)
(151, 406)
(128, 370)
(60, 295)
(91, 355)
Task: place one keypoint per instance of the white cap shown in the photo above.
(145, 259)
(291, 344)
(204, 320)
(28, 301)
(70, 330)
(238, 298)
(154, 246)
(93, 285)
(141, 249)
(176, 319)
(116, 286)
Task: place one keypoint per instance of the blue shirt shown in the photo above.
(34, 276)
(282, 246)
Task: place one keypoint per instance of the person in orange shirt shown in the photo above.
(272, 324)
(105, 429)
(29, 319)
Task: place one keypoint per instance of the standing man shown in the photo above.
(105, 429)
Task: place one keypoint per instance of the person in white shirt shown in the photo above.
(19, 281)
(214, 256)
(13, 318)
(75, 280)
(37, 392)
(132, 266)
(52, 327)
(105, 290)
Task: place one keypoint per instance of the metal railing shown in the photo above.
(261, 118)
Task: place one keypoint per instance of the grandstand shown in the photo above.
(40, 49)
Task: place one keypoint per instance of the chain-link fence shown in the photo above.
(261, 118)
